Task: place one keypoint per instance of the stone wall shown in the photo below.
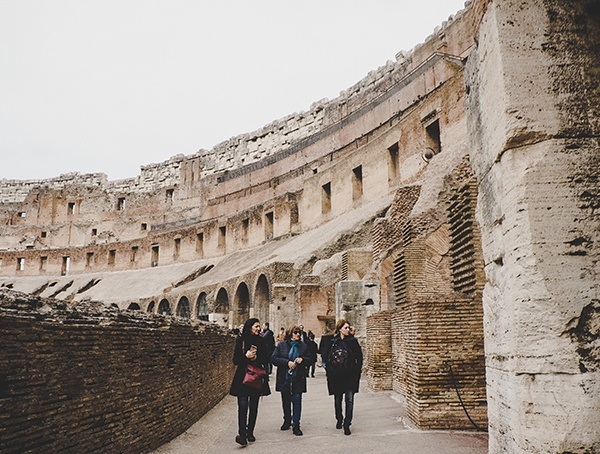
(378, 352)
(91, 379)
(533, 109)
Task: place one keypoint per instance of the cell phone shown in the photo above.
(253, 347)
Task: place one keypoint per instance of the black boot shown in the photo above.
(241, 440)
(250, 437)
(296, 430)
(339, 424)
(347, 429)
(286, 425)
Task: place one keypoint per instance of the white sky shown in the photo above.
(110, 85)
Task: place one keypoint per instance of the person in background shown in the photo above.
(291, 358)
(281, 335)
(325, 346)
(344, 367)
(312, 352)
(250, 347)
(269, 338)
(303, 335)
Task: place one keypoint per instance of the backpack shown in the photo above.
(339, 358)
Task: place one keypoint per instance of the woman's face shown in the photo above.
(255, 328)
(295, 335)
(345, 330)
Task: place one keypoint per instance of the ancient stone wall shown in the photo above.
(91, 378)
(533, 109)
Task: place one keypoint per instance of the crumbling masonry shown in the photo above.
(447, 204)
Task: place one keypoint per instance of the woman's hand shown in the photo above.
(298, 360)
(251, 354)
(292, 365)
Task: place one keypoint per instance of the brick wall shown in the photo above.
(439, 344)
(94, 379)
(378, 351)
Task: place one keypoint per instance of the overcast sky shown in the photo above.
(111, 85)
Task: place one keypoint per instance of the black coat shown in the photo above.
(270, 341)
(325, 347)
(350, 380)
(240, 360)
(280, 359)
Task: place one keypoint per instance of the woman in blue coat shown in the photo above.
(250, 347)
(291, 358)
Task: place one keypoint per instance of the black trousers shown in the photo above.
(348, 397)
(247, 413)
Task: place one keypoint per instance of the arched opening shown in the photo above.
(134, 307)
(164, 308)
(221, 313)
(151, 306)
(262, 299)
(183, 308)
(241, 304)
(202, 307)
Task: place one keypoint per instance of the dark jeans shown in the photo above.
(292, 407)
(247, 421)
(337, 402)
(310, 370)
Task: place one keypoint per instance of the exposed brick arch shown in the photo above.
(241, 304)
(220, 314)
(164, 307)
(201, 309)
(151, 306)
(183, 308)
(262, 299)
(134, 307)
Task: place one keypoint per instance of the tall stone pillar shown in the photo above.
(533, 109)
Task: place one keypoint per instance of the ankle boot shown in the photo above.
(241, 440)
(296, 430)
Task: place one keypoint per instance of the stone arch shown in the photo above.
(150, 307)
(134, 307)
(262, 299)
(221, 310)
(202, 307)
(241, 304)
(183, 308)
(164, 307)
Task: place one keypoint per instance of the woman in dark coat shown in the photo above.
(343, 381)
(250, 347)
(291, 357)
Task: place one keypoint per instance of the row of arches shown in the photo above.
(218, 309)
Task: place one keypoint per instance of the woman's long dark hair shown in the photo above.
(247, 330)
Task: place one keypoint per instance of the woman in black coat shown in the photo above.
(291, 357)
(250, 347)
(343, 381)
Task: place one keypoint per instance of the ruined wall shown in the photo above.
(378, 352)
(533, 114)
(92, 379)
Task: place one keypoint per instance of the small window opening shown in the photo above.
(144, 226)
(71, 208)
(134, 251)
(121, 203)
(176, 247)
(94, 232)
(169, 195)
(22, 214)
(44, 234)
(392, 162)
(357, 183)
(222, 237)
(66, 265)
(245, 225)
(200, 243)
(89, 259)
(20, 264)
(433, 139)
(43, 262)
(326, 198)
(269, 225)
(112, 255)
(154, 255)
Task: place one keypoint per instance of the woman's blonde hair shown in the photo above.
(291, 329)
(338, 326)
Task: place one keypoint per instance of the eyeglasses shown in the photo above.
(296, 332)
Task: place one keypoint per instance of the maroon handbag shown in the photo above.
(254, 376)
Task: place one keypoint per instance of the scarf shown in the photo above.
(292, 356)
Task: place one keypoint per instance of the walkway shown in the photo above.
(380, 426)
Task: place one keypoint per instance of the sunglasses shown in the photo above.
(296, 332)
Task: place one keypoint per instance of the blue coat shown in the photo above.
(280, 358)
